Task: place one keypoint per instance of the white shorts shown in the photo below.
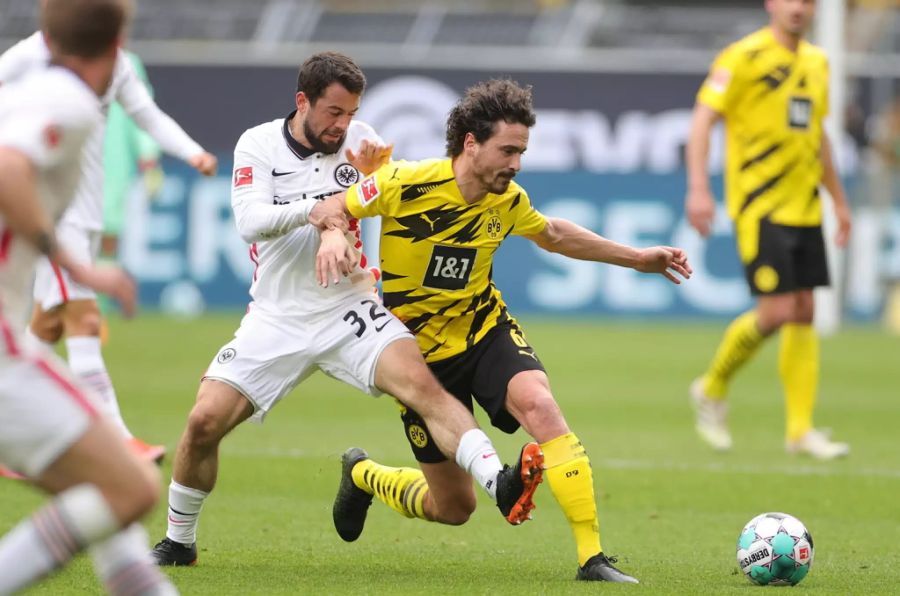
(272, 353)
(42, 410)
(52, 285)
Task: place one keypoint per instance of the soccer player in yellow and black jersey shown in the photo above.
(771, 89)
(442, 221)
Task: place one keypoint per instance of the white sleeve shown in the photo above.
(19, 59)
(256, 215)
(26, 133)
(48, 135)
(132, 94)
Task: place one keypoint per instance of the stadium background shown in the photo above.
(614, 84)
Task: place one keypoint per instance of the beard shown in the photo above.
(499, 184)
(316, 142)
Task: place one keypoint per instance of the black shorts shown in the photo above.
(789, 258)
(482, 372)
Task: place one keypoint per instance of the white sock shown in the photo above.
(33, 342)
(184, 512)
(477, 456)
(86, 361)
(124, 565)
(74, 519)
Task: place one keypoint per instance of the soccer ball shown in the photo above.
(775, 549)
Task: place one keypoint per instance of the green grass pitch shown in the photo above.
(669, 508)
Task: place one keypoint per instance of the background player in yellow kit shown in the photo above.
(771, 88)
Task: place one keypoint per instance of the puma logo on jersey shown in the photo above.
(428, 220)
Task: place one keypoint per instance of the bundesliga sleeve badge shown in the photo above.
(243, 176)
(368, 191)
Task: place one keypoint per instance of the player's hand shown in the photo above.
(153, 177)
(666, 260)
(109, 280)
(336, 258)
(700, 207)
(370, 156)
(329, 214)
(844, 223)
(205, 163)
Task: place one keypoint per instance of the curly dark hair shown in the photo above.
(322, 69)
(485, 104)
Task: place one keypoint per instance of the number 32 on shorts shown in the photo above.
(373, 313)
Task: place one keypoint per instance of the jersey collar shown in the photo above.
(301, 151)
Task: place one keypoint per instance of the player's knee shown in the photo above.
(457, 511)
(47, 326)
(134, 499)
(774, 318)
(204, 428)
(535, 409)
(419, 387)
(460, 513)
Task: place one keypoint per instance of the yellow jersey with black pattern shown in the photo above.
(437, 250)
(773, 101)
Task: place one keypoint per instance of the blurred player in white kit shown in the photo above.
(62, 306)
(49, 427)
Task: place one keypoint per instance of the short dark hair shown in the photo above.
(484, 105)
(84, 28)
(325, 68)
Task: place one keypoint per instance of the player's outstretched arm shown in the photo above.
(568, 238)
(135, 99)
(699, 204)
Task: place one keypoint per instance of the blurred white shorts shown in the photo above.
(42, 409)
(52, 285)
(272, 353)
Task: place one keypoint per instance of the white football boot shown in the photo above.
(712, 418)
(818, 444)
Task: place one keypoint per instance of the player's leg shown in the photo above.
(765, 252)
(82, 322)
(377, 355)
(219, 409)
(798, 358)
(57, 296)
(51, 433)
(402, 372)
(512, 387)
(440, 492)
(247, 377)
(131, 488)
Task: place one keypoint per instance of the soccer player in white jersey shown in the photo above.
(63, 306)
(282, 170)
(49, 428)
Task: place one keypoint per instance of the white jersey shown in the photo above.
(276, 182)
(127, 89)
(48, 115)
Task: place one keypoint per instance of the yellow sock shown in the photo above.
(401, 489)
(798, 365)
(740, 342)
(568, 472)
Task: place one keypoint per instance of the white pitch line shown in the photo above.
(637, 464)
